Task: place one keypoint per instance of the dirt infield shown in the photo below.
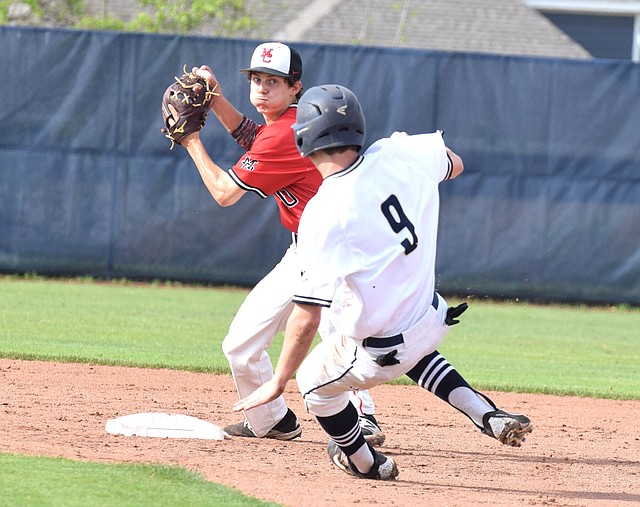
(583, 452)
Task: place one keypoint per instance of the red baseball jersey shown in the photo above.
(273, 166)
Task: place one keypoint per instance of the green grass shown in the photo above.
(61, 482)
(116, 323)
(576, 350)
(549, 349)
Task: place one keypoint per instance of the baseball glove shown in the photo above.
(185, 105)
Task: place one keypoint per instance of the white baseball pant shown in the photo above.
(262, 315)
(340, 364)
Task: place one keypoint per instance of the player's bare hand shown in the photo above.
(267, 392)
(205, 72)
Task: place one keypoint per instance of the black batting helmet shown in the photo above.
(328, 116)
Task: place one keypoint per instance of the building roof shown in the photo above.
(498, 26)
(603, 7)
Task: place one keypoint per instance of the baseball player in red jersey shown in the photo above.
(371, 231)
(271, 166)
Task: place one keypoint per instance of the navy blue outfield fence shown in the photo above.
(548, 207)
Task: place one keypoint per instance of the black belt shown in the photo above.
(375, 342)
(294, 238)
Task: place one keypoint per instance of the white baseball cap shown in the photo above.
(277, 59)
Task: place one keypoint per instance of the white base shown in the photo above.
(158, 424)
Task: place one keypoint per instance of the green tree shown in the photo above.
(227, 17)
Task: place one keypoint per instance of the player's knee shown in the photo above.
(229, 348)
(240, 353)
(325, 405)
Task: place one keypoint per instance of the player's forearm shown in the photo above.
(218, 182)
(301, 330)
(226, 113)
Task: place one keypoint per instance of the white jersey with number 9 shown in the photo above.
(372, 228)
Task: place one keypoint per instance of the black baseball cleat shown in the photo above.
(287, 429)
(371, 430)
(383, 469)
(510, 429)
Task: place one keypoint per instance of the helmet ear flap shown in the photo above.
(328, 116)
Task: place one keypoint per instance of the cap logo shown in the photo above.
(342, 110)
(267, 55)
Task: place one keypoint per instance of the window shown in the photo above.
(602, 36)
(607, 29)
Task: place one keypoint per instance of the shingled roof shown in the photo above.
(495, 26)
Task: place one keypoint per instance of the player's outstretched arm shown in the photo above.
(298, 337)
(220, 185)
